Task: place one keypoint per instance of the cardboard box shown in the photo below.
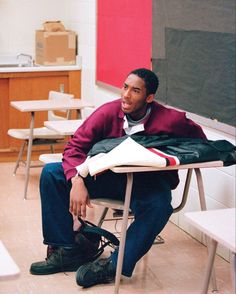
(55, 48)
(53, 26)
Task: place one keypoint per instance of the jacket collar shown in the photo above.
(122, 115)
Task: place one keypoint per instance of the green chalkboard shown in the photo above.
(194, 53)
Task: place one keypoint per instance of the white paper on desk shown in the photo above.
(129, 152)
(83, 168)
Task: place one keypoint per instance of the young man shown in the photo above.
(65, 194)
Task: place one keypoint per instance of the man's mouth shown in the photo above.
(126, 105)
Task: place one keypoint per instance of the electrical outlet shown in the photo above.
(62, 88)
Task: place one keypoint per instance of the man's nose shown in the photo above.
(127, 93)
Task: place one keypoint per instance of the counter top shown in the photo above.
(40, 68)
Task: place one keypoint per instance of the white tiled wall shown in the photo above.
(18, 22)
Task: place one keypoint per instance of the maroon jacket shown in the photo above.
(107, 122)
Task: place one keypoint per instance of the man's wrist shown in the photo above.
(77, 177)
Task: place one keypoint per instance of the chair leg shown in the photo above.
(158, 240)
(28, 159)
(104, 213)
(19, 158)
(185, 192)
(52, 149)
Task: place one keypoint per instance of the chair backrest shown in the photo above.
(86, 111)
(66, 113)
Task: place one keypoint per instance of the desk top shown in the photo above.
(131, 169)
(46, 105)
(217, 224)
(64, 127)
(8, 268)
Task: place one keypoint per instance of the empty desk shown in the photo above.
(8, 268)
(219, 225)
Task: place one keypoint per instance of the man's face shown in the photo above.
(134, 97)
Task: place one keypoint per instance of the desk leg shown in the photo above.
(203, 207)
(233, 270)
(29, 150)
(185, 193)
(209, 268)
(78, 113)
(200, 189)
(123, 231)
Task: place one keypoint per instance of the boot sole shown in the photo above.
(80, 278)
(51, 271)
(54, 271)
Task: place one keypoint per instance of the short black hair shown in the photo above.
(150, 78)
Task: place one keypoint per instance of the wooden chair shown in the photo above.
(42, 135)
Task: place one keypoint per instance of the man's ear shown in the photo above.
(150, 98)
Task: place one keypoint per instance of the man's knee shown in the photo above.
(52, 168)
(53, 181)
(51, 171)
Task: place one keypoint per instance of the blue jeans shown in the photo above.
(150, 203)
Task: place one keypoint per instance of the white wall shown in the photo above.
(20, 19)
(82, 17)
(18, 22)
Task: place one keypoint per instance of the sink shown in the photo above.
(13, 65)
(13, 61)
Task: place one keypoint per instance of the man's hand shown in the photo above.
(79, 197)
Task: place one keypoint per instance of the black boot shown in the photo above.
(59, 260)
(98, 272)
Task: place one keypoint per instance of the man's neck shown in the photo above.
(136, 120)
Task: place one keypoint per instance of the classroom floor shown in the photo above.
(175, 267)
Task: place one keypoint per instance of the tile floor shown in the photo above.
(175, 267)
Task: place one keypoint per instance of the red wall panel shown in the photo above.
(124, 38)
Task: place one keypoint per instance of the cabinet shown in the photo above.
(29, 86)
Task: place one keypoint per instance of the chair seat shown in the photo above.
(39, 133)
(50, 157)
(111, 203)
